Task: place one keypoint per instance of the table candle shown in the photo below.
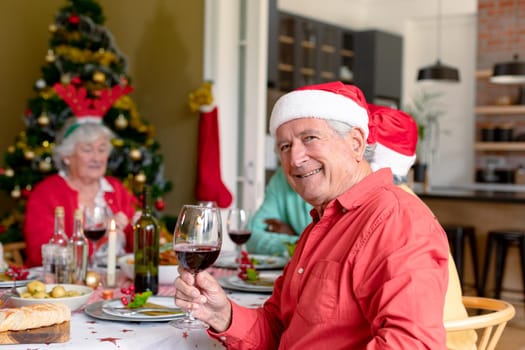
(112, 254)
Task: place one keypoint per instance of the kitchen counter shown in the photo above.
(485, 210)
(482, 195)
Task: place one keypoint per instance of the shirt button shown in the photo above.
(344, 210)
(223, 338)
(300, 271)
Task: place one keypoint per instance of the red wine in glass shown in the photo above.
(239, 236)
(196, 258)
(94, 234)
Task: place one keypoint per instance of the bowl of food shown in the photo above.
(36, 292)
(167, 268)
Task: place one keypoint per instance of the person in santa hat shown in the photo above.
(363, 271)
(396, 136)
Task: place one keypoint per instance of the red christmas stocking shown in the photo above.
(209, 183)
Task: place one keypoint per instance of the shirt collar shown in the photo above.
(105, 186)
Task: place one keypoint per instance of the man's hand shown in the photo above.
(203, 295)
(278, 226)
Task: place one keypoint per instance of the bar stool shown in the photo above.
(500, 240)
(457, 234)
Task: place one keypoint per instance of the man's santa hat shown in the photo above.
(330, 101)
(396, 136)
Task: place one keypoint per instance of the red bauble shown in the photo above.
(25, 192)
(76, 80)
(160, 204)
(74, 19)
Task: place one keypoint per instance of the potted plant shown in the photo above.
(425, 110)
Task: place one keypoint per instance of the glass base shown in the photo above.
(189, 323)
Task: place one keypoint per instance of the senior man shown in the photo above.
(370, 271)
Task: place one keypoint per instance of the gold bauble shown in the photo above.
(9, 172)
(99, 77)
(15, 193)
(135, 154)
(50, 56)
(65, 79)
(92, 279)
(44, 166)
(121, 122)
(11, 149)
(43, 119)
(29, 154)
(52, 28)
(140, 178)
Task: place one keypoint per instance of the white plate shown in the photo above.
(264, 262)
(164, 301)
(235, 283)
(20, 283)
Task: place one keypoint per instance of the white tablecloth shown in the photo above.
(94, 334)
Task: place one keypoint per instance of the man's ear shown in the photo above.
(358, 141)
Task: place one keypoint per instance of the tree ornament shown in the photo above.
(135, 154)
(99, 77)
(123, 80)
(40, 84)
(160, 204)
(50, 56)
(28, 154)
(9, 172)
(52, 28)
(74, 19)
(121, 122)
(65, 79)
(44, 166)
(43, 119)
(15, 193)
(11, 149)
(140, 178)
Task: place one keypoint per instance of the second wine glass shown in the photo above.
(238, 230)
(95, 224)
(197, 242)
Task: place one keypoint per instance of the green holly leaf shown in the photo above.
(251, 274)
(140, 299)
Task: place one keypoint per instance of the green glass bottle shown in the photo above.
(146, 236)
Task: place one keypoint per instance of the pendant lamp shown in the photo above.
(511, 72)
(438, 71)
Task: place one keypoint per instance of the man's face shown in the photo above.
(318, 163)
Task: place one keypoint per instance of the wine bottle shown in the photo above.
(78, 245)
(146, 249)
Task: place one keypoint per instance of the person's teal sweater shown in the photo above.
(283, 203)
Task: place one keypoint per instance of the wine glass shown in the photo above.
(197, 242)
(238, 231)
(95, 222)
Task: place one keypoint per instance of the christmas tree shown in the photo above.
(82, 55)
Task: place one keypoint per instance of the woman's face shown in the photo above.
(89, 160)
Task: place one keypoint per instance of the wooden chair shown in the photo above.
(14, 253)
(489, 320)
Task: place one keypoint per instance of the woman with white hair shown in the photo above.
(80, 154)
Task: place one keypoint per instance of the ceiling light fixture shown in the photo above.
(511, 72)
(438, 71)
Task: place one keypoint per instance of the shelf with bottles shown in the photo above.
(500, 146)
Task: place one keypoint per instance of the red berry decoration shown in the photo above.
(160, 204)
(74, 19)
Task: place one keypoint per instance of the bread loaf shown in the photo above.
(33, 316)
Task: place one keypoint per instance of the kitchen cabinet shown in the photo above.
(303, 51)
(378, 65)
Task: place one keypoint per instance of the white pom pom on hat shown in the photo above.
(330, 101)
(396, 136)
